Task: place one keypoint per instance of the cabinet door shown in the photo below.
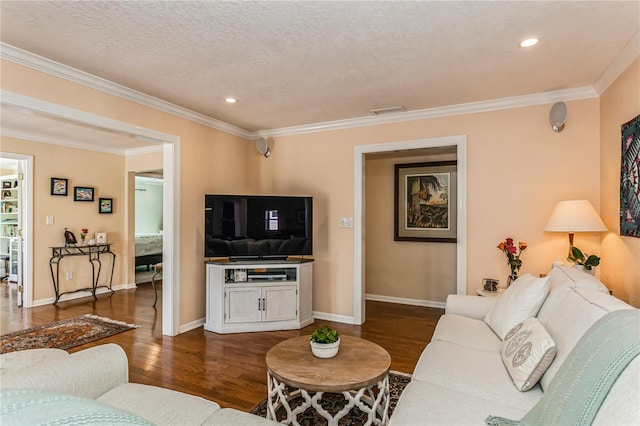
(281, 303)
(242, 304)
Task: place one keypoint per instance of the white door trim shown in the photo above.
(27, 224)
(360, 151)
(171, 204)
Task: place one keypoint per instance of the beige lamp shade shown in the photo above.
(575, 216)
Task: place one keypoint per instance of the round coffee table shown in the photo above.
(360, 372)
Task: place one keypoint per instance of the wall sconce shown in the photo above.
(558, 116)
(574, 216)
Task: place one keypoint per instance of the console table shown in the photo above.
(93, 252)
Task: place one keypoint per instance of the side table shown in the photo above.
(360, 372)
(484, 293)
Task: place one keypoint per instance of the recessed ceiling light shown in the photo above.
(529, 42)
(230, 100)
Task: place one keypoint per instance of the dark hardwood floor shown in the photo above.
(229, 369)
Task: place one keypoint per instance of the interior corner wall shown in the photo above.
(82, 168)
(422, 272)
(620, 264)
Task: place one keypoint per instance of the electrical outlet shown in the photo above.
(346, 222)
(69, 276)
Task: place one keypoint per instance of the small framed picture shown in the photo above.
(82, 193)
(101, 238)
(59, 186)
(490, 284)
(6, 195)
(105, 205)
(6, 184)
(240, 275)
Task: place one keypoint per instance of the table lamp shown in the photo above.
(574, 216)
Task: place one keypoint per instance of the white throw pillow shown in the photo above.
(520, 301)
(527, 351)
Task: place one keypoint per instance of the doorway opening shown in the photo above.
(148, 228)
(16, 243)
(459, 144)
(136, 135)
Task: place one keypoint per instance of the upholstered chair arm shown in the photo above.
(88, 373)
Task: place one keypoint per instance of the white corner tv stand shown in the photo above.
(249, 295)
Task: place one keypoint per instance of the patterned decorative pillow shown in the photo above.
(527, 351)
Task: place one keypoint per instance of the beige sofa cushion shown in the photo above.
(231, 417)
(425, 403)
(520, 301)
(474, 372)
(160, 406)
(576, 313)
(466, 331)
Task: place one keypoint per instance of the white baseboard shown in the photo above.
(332, 317)
(404, 301)
(78, 295)
(125, 286)
(191, 325)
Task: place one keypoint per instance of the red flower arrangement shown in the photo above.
(83, 234)
(513, 256)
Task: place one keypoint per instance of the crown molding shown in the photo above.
(55, 141)
(628, 54)
(31, 60)
(66, 72)
(446, 111)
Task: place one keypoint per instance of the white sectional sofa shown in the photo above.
(461, 377)
(100, 375)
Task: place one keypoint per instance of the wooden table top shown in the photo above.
(359, 363)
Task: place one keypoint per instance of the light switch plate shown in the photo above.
(49, 220)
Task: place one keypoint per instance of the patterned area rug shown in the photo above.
(63, 334)
(333, 402)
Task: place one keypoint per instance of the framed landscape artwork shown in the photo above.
(425, 202)
(630, 179)
(59, 186)
(82, 193)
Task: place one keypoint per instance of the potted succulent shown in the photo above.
(325, 342)
(583, 260)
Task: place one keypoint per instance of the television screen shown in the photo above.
(257, 226)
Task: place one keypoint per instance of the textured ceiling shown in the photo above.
(297, 63)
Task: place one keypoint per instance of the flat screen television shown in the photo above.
(257, 226)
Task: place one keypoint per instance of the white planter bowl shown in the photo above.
(325, 350)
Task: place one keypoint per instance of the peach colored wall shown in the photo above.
(620, 255)
(82, 168)
(517, 171)
(428, 269)
(210, 161)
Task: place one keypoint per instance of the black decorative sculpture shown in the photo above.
(69, 238)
